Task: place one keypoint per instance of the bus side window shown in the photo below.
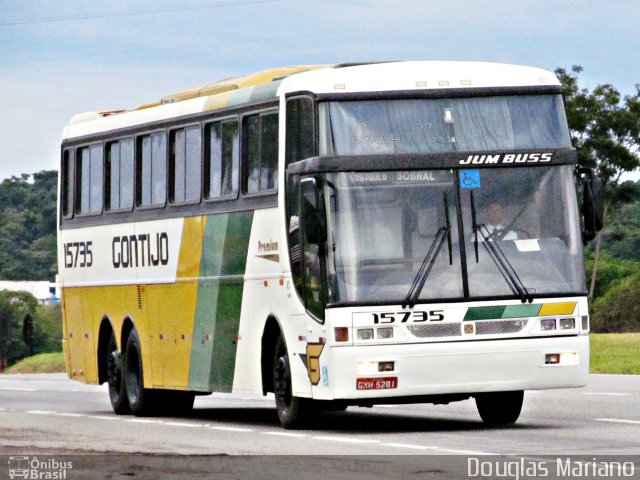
(67, 184)
(300, 142)
(89, 179)
(300, 137)
(151, 169)
(222, 160)
(119, 175)
(184, 167)
(260, 141)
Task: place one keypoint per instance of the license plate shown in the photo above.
(376, 383)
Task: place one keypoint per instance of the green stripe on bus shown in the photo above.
(484, 313)
(521, 311)
(217, 322)
(206, 307)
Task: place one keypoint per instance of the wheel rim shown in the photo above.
(133, 374)
(114, 368)
(282, 382)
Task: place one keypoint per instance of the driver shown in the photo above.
(494, 228)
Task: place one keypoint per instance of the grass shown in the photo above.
(41, 363)
(615, 353)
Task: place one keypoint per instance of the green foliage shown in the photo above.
(621, 236)
(15, 307)
(605, 128)
(28, 227)
(611, 271)
(618, 310)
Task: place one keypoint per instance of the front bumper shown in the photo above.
(457, 367)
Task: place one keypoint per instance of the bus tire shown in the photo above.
(140, 398)
(115, 378)
(499, 408)
(293, 412)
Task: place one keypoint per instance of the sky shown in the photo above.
(62, 57)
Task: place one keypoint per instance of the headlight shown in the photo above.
(364, 333)
(547, 324)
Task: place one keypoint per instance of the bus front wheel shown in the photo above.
(293, 412)
(117, 388)
(499, 408)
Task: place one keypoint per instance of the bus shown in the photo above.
(338, 235)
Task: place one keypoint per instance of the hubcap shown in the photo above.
(282, 384)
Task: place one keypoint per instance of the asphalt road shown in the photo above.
(51, 414)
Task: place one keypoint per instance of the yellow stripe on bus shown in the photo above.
(562, 308)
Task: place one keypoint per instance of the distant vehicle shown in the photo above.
(320, 233)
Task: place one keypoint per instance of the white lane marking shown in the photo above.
(406, 445)
(103, 417)
(232, 429)
(613, 394)
(183, 424)
(10, 389)
(40, 412)
(465, 452)
(285, 434)
(386, 406)
(3, 409)
(135, 420)
(346, 439)
(617, 420)
(64, 414)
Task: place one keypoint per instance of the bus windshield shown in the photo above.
(514, 234)
(442, 125)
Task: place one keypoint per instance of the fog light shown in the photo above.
(341, 334)
(567, 323)
(365, 333)
(548, 324)
(569, 358)
(367, 368)
(552, 358)
(385, 332)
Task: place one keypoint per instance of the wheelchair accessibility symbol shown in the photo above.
(470, 179)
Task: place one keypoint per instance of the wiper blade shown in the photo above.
(425, 267)
(502, 262)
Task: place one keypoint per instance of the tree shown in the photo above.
(28, 227)
(605, 130)
(14, 308)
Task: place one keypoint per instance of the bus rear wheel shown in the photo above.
(117, 388)
(140, 399)
(293, 412)
(499, 408)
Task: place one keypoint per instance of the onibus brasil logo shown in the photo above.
(37, 468)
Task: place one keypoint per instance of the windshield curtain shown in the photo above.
(382, 224)
(442, 125)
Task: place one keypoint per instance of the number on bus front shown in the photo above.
(416, 316)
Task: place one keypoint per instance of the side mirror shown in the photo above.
(592, 203)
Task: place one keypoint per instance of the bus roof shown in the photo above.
(319, 79)
(417, 75)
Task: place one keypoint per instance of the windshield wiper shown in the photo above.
(430, 259)
(425, 268)
(499, 258)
